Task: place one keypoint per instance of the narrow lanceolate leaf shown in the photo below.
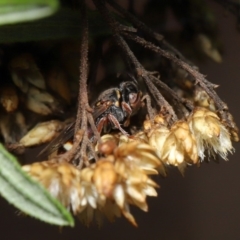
(15, 11)
(27, 195)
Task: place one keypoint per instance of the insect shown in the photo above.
(113, 108)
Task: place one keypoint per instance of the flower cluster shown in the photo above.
(187, 142)
(107, 187)
(121, 176)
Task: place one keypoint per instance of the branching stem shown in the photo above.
(129, 55)
(199, 78)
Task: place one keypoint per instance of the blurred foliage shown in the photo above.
(16, 11)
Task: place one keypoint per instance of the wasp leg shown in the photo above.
(101, 124)
(126, 108)
(116, 123)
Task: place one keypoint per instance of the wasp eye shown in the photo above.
(132, 98)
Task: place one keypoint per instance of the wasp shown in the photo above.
(112, 110)
(115, 107)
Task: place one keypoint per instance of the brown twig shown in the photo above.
(145, 29)
(150, 110)
(69, 155)
(178, 99)
(199, 78)
(93, 127)
(81, 154)
(84, 110)
(83, 105)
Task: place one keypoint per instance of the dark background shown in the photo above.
(205, 204)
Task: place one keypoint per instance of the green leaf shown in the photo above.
(15, 11)
(27, 195)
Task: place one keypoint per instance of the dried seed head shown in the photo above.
(157, 137)
(12, 127)
(107, 144)
(107, 187)
(42, 102)
(147, 125)
(24, 70)
(234, 135)
(159, 119)
(172, 152)
(183, 134)
(107, 147)
(104, 177)
(174, 146)
(123, 139)
(42, 133)
(202, 99)
(140, 137)
(9, 98)
(140, 154)
(233, 129)
(211, 135)
(62, 180)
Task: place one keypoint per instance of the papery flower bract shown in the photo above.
(9, 98)
(142, 155)
(42, 133)
(24, 72)
(62, 180)
(172, 152)
(183, 134)
(104, 177)
(211, 135)
(157, 138)
(107, 187)
(175, 146)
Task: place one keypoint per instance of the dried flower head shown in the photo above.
(202, 99)
(183, 135)
(211, 135)
(107, 187)
(175, 146)
(42, 133)
(62, 180)
(41, 102)
(157, 137)
(9, 98)
(25, 72)
(142, 155)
